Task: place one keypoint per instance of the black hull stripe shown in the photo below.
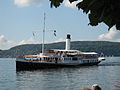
(31, 66)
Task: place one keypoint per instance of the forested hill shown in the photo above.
(108, 48)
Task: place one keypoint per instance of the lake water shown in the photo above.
(107, 75)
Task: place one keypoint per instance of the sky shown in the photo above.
(20, 18)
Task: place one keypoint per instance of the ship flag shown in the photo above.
(55, 32)
(33, 34)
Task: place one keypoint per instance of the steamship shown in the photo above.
(55, 58)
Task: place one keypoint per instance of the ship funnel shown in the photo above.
(68, 42)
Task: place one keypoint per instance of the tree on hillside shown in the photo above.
(106, 11)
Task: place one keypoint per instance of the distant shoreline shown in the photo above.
(108, 48)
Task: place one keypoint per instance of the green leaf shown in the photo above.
(93, 20)
(55, 3)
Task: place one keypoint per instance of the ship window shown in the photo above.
(65, 58)
(74, 58)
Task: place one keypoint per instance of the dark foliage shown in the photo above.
(106, 11)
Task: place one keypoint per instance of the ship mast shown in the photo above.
(43, 34)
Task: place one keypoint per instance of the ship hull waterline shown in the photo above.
(20, 65)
